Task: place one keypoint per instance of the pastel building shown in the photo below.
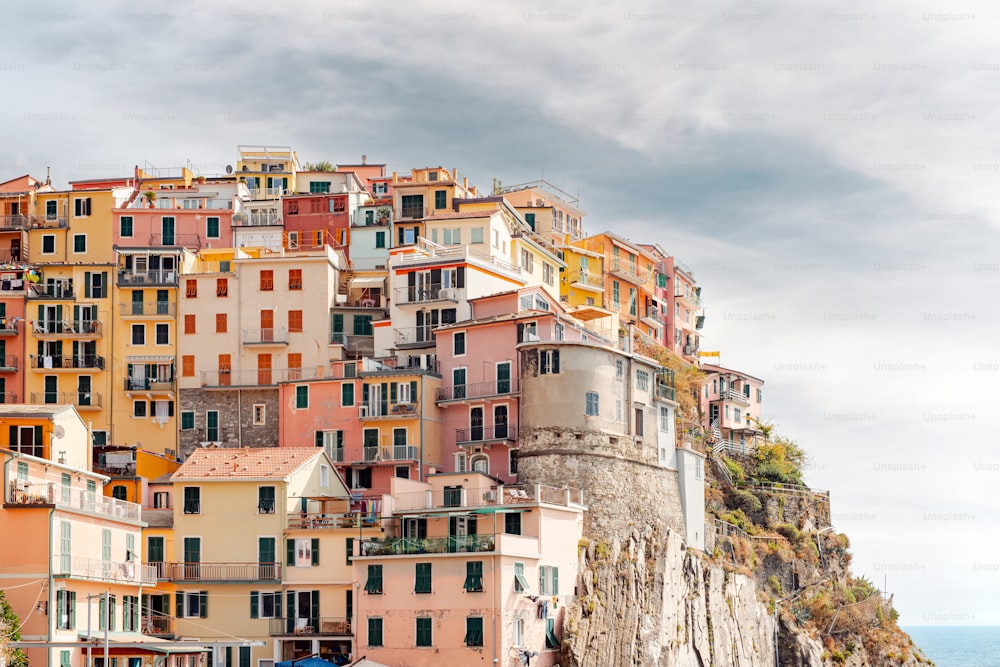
(18, 197)
(469, 571)
(78, 559)
(236, 569)
(429, 191)
(731, 402)
(248, 323)
(321, 212)
(268, 173)
(548, 210)
(687, 319)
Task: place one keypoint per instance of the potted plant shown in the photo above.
(150, 198)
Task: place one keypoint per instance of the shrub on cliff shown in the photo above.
(746, 501)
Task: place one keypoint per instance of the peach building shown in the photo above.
(469, 571)
(731, 402)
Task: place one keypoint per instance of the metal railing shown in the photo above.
(67, 327)
(171, 240)
(8, 397)
(478, 390)
(664, 391)
(316, 625)
(156, 625)
(223, 572)
(13, 221)
(48, 222)
(474, 434)
(426, 293)
(587, 279)
(627, 271)
(78, 567)
(257, 219)
(391, 453)
(486, 497)
(147, 308)
(392, 546)
(50, 290)
(8, 362)
(414, 336)
(149, 384)
(406, 364)
(151, 277)
(322, 520)
(67, 361)
(34, 492)
(256, 378)
(80, 400)
(278, 335)
(390, 410)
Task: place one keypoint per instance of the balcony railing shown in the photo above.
(414, 337)
(8, 397)
(8, 362)
(273, 336)
(49, 222)
(479, 497)
(50, 290)
(653, 313)
(35, 492)
(157, 626)
(392, 546)
(80, 400)
(405, 364)
(315, 521)
(265, 193)
(474, 434)
(478, 390)
(587, 280)
(665, 391)
(152, 277)
(257, 219)
(733, 395)
(151, 308)
(322, 625)
(427, 293)
(67, 361)
(13, 221)
(255, 378)
(186, 240)
(626, 271)
(393, 453)
(388, 411)
(150, 384)
(78, 567)
(87, 328)
(223, 572)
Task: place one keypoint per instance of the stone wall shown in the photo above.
(236, 427)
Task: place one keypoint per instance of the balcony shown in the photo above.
(689, 296)
(49, 222)
(44, 492)
(626, 271)
(9, 326)
(665, 392)
(14, 222)
(395, 546)
(734, 395)
(463, 392)
(413, 337)
(653, 317)
(8, 363)
(431, 293)
(66, 362)
(8, 397)
(151, 385)
(329, 626)
(265, 193)
(128, 572)
(266, 377)
(223, 572)
(149, 309)
(485, 435)
(587, 281)
(174, 240)
(157, 626)
(369, 411)
(59, 290)
(393, 453)
(257, 219)
(317, 521)
(82, 401)
(87, 329)
(151, 278)
(404, 364)
(494, 496)
(273, 336)
(356, 347)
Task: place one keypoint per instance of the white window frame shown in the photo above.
(275, 598)
(133, 330)
(135, 404)
(79, 252)
(303, 552)
(259, 414)
(324, 476)
(461, 462)
(597, 404)
(46, 237)
(156, 334)
(188, 597)
(465, 344)
(403, 393)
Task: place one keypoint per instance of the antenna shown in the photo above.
(59, 431)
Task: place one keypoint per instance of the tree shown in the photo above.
(325, 165)
(10, 631)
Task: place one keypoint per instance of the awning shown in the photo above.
(498, 510)
(163, 359)
(362, 283)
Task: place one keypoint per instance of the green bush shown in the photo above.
(747, 501)
(789, 531)
(735, 470)
(775, 584)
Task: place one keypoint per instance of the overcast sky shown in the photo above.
(825, 167)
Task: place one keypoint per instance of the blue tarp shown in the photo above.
(305, 662)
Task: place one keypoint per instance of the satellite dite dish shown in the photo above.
(59, 431)
(229, 168)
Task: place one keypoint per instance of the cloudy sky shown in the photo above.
(825, 167)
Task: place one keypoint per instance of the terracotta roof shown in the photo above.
(245, 463)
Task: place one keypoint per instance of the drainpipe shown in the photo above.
(496, 602)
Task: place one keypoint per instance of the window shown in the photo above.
(512, 523)
(440, 199)
(631, 301)
(130, 613)
(189, 324)
(550, 634)
(458, 341)
(592, 404)
(221, 323)
(79, 243)
(259, 414)
(295, 279)
(119, 492)
(518, 632)
(192, 604)
(222, 287)
(139, 409)
(51, 210)
(513, 454)
(374, 631)
(295, 320)
(527, 261)
(474, 631)
(347, 394)
(550, 362)
(422, 578)
(373, 585)
(615, 295)
(520, 583)
(302, 397)
(639, 423)
(458, 382)
(106, 544)
(22, 471)
(619, 369)
(162, 333)
(324, 477)
(138, 334)
(548, 580)
(48, 244)
(424, 631)
(760, 395)
(81, 207)
(192, 500)
(265, 604)
(665, 420)
(530, 219)
(477, 235)
(618, 410)
(191, 288)
(452, 496)
(187, 365)
(412, 206)
(265, 500)
(451, 236)
(548, 274)
(302, 552)
(474, 576)
(266, 280)
(65, 610)
(642, 380)
(187, 420)
(106, 610)
(379, 239)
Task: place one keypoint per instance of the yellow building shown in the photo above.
(231, 557)
(429, 191)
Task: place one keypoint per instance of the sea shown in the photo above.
(958, 646)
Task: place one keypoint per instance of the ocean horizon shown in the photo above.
(958, 645)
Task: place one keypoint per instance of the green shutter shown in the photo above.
(350, 549)
(204, 604)
(86, 284)
(555, 581)
(319, 438)
(413, 391)
(290, 551)
(38, 436)
(179, 607)
(474, 575)
(543, 588)
(422, 578)
(315, 551)
(72, 611)
(254, 604)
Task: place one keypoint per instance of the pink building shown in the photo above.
(480, 391)
(470, 571)
(731, 402)
(200, 216)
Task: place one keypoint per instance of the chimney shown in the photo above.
(395, 177)
(48, 176)
(465, 182)
(364, 159)
(454, 174)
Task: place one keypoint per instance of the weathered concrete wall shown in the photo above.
(236, 427)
